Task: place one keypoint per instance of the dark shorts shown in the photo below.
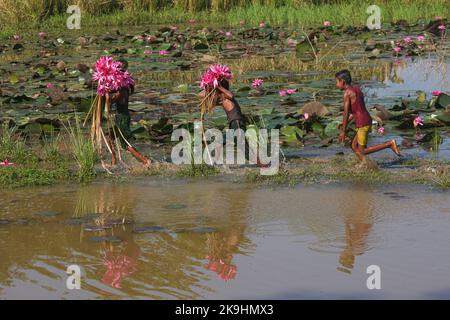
(123, 123)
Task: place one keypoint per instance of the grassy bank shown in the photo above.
(70, 158)
(43, 15)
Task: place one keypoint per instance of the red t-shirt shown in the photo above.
(359, 110)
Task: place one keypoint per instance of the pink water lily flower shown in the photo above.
(291, 42)
(257, 83)
(291, 91)
(436, 93)
(163, 52)
(397, 49)
(262, 24)
(438, 18)
(6, 163)
(407, 40)
(148, 52)
(417, 122)
(16, 37)
(421, 38)
(282, 93)
(306, 116)
(151, 39)
(381, 130)
(42, 35)
(228, 34)
(50, 85)
(327, 23)
(441, 27)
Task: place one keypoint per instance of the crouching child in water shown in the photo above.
(119, 105)
(355, 110)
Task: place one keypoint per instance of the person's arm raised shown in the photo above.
(227, 93)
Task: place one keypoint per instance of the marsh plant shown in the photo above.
(83, 151)
(12, 145)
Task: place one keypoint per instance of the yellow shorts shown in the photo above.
(362, 135)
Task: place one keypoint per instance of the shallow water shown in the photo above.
(215, 239)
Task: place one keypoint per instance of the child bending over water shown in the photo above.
(355, 110)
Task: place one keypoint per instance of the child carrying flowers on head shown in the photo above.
(115, 85)
(355, 109)
(216, 85)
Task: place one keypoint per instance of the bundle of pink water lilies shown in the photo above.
(214, 75)
(110, 76)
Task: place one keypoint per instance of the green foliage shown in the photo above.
(83, 151)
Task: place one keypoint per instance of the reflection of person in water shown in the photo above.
(357, 227)
(120, 262)
(223, 245)
(112, 203)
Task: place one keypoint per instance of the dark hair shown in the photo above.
(124, 63)
(344, 75)
(224, 83)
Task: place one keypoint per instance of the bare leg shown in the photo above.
(139, 156)
(357, 149)
(113, 152)
(390, 144)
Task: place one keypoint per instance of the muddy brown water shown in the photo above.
(215, 239)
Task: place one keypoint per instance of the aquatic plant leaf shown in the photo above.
(292, 133)
(332, 130)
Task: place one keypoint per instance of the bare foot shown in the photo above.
(147, 163)
(395, 148)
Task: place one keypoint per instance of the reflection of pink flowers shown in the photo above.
(381, 130)
(421, 38)
(214, 75)
(436, 93)
(257, 83)
(225, 271)
(117, 268)
(110, 76)
(6, 163)
(418, 121)
(327, 23)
